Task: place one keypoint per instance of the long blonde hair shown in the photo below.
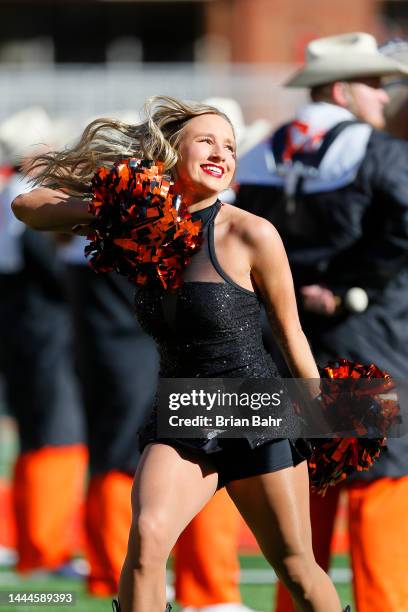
(105, 141)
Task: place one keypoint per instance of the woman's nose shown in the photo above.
(217, 152)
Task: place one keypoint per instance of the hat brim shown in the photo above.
(343, 68)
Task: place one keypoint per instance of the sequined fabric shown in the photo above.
(215, 331)
(205, 329)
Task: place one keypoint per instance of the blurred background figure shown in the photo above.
(396, 111)
(116, 366)
(336, 187)
(35, 361)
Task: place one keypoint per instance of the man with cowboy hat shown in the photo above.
(336, 187)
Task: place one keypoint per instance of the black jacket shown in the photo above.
(342, 228)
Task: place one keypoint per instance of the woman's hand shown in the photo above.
(51, 210)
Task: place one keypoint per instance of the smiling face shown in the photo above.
(206, 163)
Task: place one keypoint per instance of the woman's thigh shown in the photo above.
(170, 488)
(276, 508)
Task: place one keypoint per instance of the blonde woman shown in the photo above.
(209, 328)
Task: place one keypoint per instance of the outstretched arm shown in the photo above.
(272, 276)
(52, 210)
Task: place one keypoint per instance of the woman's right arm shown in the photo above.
(51, 210)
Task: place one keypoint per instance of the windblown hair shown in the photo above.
(106, 141)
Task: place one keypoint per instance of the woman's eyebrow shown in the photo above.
(208, 134)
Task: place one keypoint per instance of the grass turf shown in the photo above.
(257, 596)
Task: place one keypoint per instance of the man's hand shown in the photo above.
(318, 299)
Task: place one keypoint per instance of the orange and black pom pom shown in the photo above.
(141, 229)
(332, 460)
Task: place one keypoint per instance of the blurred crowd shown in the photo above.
(79, 374)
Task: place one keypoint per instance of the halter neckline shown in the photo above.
(207, 215)
(209, 207)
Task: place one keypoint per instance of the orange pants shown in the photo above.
(47, 491)
(206, 561)
(108, 516)
(378, 529)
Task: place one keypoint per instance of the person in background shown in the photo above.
(116, 364)
(336, 187)
(36, 364)
(396, 111)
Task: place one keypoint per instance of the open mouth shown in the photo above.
(212, 170)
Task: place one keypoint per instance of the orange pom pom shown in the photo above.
(141, 229)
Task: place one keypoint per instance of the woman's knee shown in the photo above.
(296, 570)
(149, 543)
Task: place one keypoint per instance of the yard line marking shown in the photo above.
(264, 576)
(340, 575)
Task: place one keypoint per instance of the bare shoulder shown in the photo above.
(255, 231)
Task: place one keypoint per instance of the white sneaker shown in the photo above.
(229, 607)
(170, 592)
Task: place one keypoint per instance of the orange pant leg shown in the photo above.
(108, 519)
(322, 514)
(47, 491)
(378, 522)
(206, 562)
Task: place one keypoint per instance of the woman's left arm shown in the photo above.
(273, 278)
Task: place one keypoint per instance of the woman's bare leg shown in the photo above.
(276, 508)
(168, 492)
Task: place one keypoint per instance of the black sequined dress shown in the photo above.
(209, 328)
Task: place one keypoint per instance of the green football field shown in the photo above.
(256, 588)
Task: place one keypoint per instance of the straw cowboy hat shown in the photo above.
(247, 135)
(342, 58)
